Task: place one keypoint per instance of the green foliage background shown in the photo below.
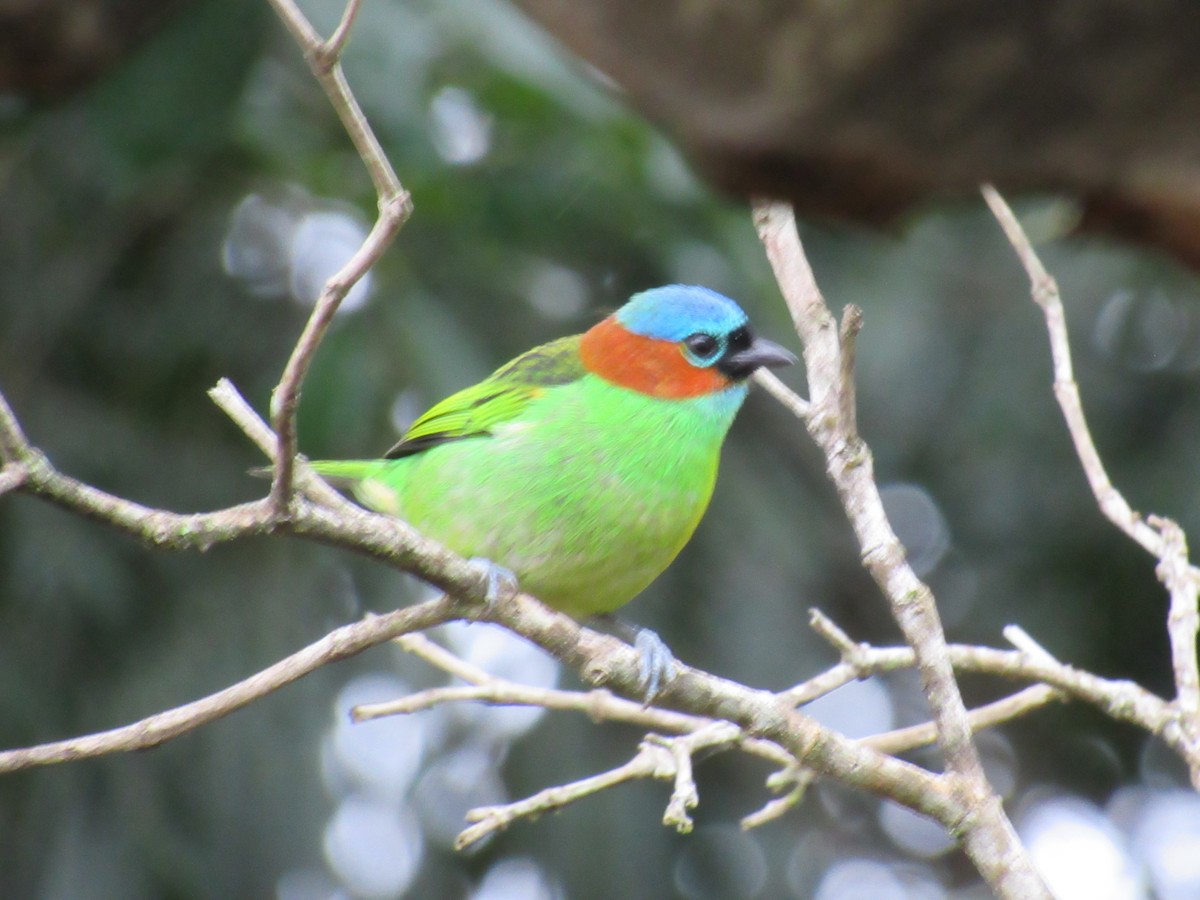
(116, 316)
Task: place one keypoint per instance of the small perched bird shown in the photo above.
(583, 466)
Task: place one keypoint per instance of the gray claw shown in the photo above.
(657, 665)
(501, 582)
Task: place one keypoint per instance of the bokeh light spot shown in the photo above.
(381, 755)
(373, 847)
(856, 709)
(919, 524)
(461, 132)
(517, 878)
(913, 833)
(1079, 852)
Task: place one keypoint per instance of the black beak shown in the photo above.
(761, 352)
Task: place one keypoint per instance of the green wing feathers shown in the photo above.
(499, 398)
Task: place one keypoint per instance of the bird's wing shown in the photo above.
(499, 398)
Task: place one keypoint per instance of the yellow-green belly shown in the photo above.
(587, 499)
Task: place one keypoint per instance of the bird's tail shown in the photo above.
(344, 471)
(341, 472)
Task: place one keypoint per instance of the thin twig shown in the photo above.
(230, 401)
(333, 82)
(1161, 537)
(854, 665)
(989, 715)
(1122, 700)
(684, 795)
(601, 705)
(1182, 581)
(14, 446)
(598, 705)
(902, 740)
(344, 642)
(852, 322)
(331, 50)
(395, 206)
(424, 647)
(797, 405)
(779, 806)
(286, 396)
(1024, 641)
(847, 647)
(1066, 390)
(490, 819)
(12, 476)
(667, 759)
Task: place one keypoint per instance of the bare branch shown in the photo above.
(347, 641)
(853, 666)
(898, 741)
(852, 322)
(286, 396)
(603, 659)
(1182, 581)
(230, 401)
(1124, 701)
(598, 705)
(329, 75)
(667, 759)
(850, 650)
(423, 647)
(490, 819)
(158, 527)
(395, 206)
(987, 835)
(987, 716)
(1160, 536)
(1066, 390)
(780, 806)
(684, 796)
(601, 705)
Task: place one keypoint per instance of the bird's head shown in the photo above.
(678, 341)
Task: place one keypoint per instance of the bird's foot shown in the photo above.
(499, 583)
(657, 666)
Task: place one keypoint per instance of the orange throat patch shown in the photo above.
(644, 364)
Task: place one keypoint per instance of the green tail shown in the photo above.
(345, 471)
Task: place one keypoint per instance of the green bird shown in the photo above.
(583, 466)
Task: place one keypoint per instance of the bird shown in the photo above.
(581, 468)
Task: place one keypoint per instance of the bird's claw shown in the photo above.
(657, 666)
(499, 583)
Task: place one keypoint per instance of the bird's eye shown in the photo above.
(703, 346)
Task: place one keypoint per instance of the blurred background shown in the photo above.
(170, 221)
